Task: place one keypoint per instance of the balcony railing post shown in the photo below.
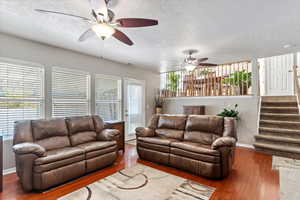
(255, 77)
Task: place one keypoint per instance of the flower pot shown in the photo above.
(158, 110)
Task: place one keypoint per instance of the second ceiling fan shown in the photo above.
(103, 22)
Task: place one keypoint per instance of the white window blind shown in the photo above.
(21, 94)
(70, 92)
(108, 97)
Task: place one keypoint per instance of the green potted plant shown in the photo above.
(173, 85)
(230, 112)
(240, 79)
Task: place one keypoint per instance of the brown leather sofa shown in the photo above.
(51, 152)
(200, 144)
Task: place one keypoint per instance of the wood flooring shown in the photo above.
(251, 178)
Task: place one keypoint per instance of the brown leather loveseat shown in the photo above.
(50, 152)
(201, 144)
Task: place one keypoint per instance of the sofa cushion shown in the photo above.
(101, 152)
(157, 140)
(59, 154)
(195, 156)
(98, 123)
(83, 137)
(42, 129)
(172, 122)
(80, 124)
(196, 148)
(205, 123)
(55, 142)
(57, 164)
(169, 133)
(200, 137)
(97, 145)
(153, 146)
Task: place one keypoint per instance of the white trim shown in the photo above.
(9, 171)
(245, 145)
(20, 62)
(211, 97)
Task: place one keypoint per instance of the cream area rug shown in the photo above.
(289, 177)
(142, 183)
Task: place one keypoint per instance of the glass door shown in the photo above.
(134, 106)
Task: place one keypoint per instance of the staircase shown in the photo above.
(279, 127)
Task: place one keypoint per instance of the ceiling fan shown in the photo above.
(103, 22)
(190, 63)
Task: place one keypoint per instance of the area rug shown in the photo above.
(132, 142)
(142, 183)
(289, 177)
(281, 162)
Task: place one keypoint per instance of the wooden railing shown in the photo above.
(231, 79)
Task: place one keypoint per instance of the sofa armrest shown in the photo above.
(29, 148)
(144, 132)
(109, 135)
(223, 142)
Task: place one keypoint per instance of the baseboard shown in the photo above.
(9, 171)
(245, 145)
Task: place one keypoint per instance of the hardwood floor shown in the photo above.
(251, 179)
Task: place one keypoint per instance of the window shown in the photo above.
(70, 92)
(21, 94)
(108, 97)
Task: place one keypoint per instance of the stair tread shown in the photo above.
(278, 138)
(278, 147)
(278, 129)
(279, 121)
(280, 114)
(280, 108)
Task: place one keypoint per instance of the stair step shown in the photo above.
(280, 124)
(280, 116)
(278, 98)
(278, 140)
(293, 133)
(272, 109)
(280, 104)
(284, 151)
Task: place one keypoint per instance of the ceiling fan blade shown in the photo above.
(122, 37)
(207, 64)
(136, 22)
(202, 60)
(60, 13)
(100, 6)
(87, 34)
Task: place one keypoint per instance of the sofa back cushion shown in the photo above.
(200, 137)
(205, 123)
(98, 123)
(51, 134)
(172, 122)
(169, 133)
(81, 129)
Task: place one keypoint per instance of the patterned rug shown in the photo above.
(142, 183)
(289, 177)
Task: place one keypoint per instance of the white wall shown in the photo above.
(247, 105)
(25, 50)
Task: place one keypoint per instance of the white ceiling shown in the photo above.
(223, 30)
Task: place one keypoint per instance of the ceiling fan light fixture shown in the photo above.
(103, 30)
(189, 67)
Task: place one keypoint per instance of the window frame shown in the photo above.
(41, 100)
(120, 93)
(88, 90)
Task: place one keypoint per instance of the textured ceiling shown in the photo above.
(223, 30)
